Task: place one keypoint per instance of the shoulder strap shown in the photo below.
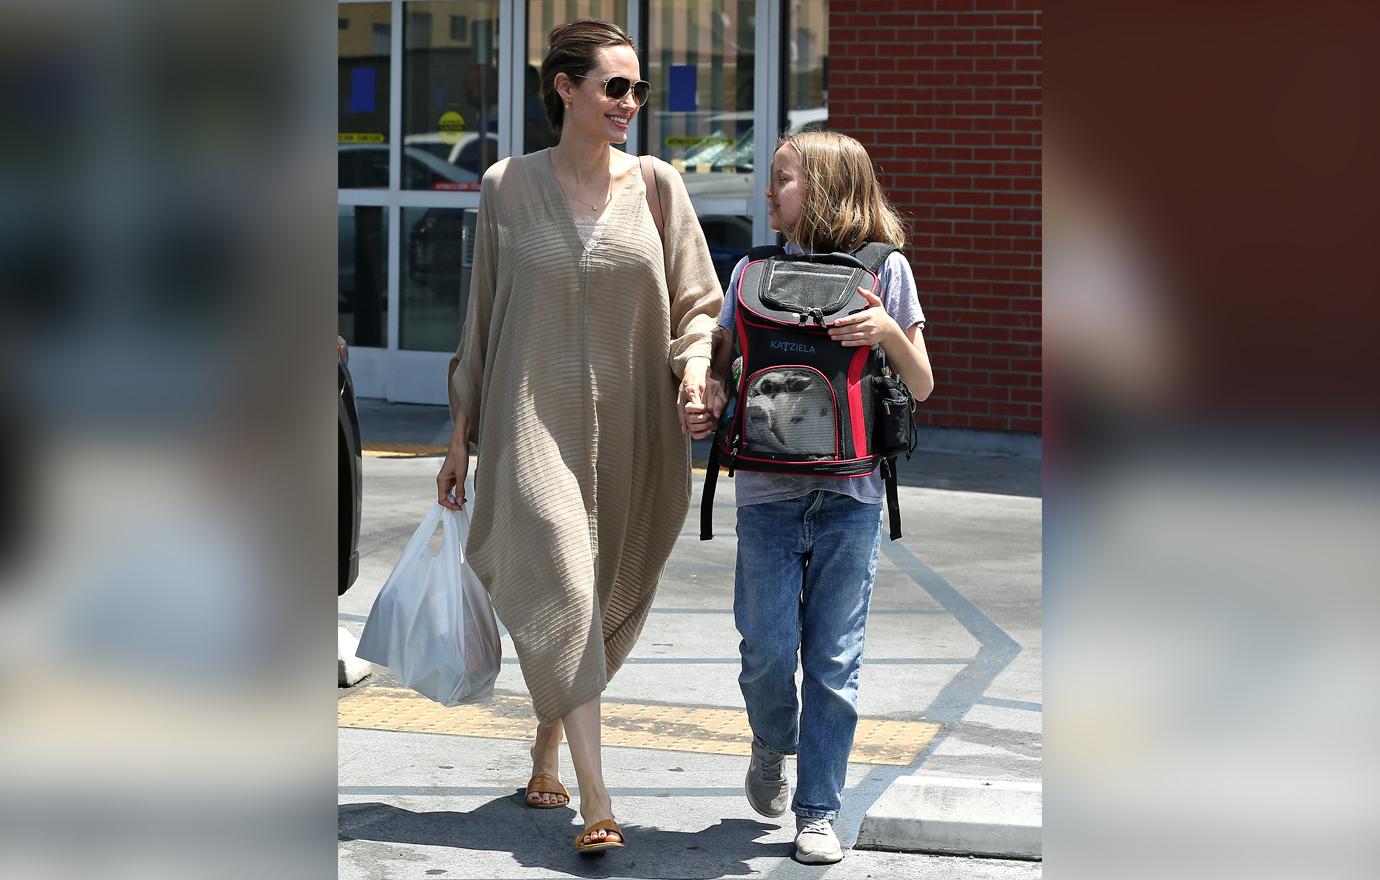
(873, 254)
(893, 501)
(711, 477)
(653, 195)
(765, 252)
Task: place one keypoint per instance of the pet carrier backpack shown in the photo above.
(804, 404)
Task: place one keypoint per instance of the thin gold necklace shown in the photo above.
(593, 206)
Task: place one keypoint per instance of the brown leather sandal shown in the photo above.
(599, 845)
(542, 783)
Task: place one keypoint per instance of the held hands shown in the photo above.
(700, 401)
(872, 326)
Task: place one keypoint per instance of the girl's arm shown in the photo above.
(909, 358)
(904, 348)
(723, 355)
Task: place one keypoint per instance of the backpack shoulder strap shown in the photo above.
(893, 501)
(653, 195)
(765, 252)
(873, 254)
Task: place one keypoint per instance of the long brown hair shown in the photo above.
(843, 204)
(572, 49)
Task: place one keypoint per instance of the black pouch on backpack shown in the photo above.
(893, 411)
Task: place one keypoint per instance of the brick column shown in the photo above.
(946, 96)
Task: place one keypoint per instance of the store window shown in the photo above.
(363, 105)
(450, 93)
(362, 296)
(729, 238)
(805, 57)
(542, 16)
(437, 259)
(700, 116)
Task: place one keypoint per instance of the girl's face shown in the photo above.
(785, 190)
(594, 114)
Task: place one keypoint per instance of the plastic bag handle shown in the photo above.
(452, 552)
(425, 530)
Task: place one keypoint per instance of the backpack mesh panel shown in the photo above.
(805, 289)
(790, 411)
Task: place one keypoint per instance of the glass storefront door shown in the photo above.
(433, 92)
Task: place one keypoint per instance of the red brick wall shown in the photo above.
(945, 94)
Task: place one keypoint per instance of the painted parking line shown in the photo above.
(626, 725)
(376, 449)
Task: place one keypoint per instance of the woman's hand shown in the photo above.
(452, 476)
(700, 401)
(872, 326)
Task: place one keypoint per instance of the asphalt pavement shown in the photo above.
(951, 686)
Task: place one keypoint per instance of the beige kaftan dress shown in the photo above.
(568, 369)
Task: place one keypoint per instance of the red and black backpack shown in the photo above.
(802, 403)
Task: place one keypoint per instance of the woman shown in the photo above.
(582, 325)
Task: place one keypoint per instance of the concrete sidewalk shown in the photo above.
(951, 686)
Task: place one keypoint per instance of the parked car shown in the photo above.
(350, 458)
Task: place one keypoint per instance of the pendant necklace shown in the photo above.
(593, 206)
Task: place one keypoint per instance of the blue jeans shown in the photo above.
(804, 579)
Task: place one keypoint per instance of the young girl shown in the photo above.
(807, 546)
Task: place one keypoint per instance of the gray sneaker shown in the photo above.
(767, 789)
(815, 842)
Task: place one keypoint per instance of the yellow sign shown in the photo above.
(700, 141)
(451, 126)
(361, 137)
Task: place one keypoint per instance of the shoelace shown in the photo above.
(816, 826)
(769, 768)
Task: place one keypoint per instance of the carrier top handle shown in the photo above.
(711, 477)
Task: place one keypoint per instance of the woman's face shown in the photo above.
(785, 190)
(594, 114)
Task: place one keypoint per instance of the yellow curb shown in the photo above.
(626, 725)
(402, 450)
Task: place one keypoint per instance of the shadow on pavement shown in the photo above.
(968, 472)
(545, 839)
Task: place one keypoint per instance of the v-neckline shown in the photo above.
(556, 193)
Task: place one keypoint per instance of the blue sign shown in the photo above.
(363, 82)
(683, 89)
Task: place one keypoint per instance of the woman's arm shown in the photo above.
(465, 376)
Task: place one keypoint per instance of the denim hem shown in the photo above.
(760, 743)
(806, 813)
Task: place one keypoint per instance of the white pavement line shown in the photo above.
(956, 816)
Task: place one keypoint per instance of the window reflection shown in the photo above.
(437, 258)
(362, 256)
(450, 93)
(805, 57)
(700, 114)
(729, 238)
(542, 16)
(363, 103)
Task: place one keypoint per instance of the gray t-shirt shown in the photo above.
(903, 304)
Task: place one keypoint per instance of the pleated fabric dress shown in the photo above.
(568, 368)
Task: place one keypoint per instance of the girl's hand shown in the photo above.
(692, 401)
(872, 326)
(700, 419)
(452, 476)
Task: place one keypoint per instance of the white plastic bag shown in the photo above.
(432, 623)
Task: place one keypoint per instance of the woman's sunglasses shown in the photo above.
(616, 87)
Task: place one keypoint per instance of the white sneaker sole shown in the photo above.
(819, 858)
